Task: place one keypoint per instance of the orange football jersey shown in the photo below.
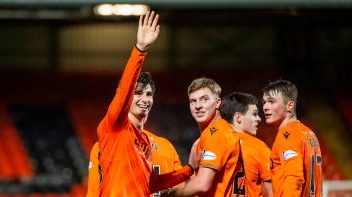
(164, 156)
(256, 158)
(296, 162)
(125, 151)
(220, 150)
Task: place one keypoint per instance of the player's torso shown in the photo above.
(222, 138)
(254, 151)
(311, 155)
(125, 161)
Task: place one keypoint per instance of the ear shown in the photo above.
(237, 118)
(218, 103)
(290, 106)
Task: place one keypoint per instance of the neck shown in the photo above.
(289, 118)
(204, 125)
(137, 122)
(237, 128)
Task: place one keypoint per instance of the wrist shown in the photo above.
(141, 47)
(191, 167)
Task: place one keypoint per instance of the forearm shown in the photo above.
(191, 188)
(267, 189)
(124, 93)
(168, 180)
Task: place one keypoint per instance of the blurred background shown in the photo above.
(60, 62)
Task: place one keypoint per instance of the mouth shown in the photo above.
(199, 114)
(267, 116)
(144, 107)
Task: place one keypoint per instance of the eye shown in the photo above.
(138, 92)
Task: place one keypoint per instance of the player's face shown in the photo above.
(203, 104)
(142, 102)
(274, 108)
(251, 120)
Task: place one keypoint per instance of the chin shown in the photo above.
(143, 114)
(268, 121)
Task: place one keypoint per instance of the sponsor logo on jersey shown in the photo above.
(289, 154)
(208, 155)
(286, 135)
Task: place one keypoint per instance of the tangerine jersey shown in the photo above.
(164, 156)
(256, 158)
(220, 150)
(296, 162)
(125, 151)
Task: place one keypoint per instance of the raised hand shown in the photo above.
(148, 30)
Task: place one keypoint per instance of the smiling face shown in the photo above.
(142, 101)
(274, 107)
(204, 105)
(250, 120)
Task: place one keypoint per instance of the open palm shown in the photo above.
(148, 30)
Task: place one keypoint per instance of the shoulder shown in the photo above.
(218, 128)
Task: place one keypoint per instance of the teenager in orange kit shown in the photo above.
(241, 111)
(125, 151)
(218, 145)
(296, 156)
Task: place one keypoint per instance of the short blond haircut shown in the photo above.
(204, 83)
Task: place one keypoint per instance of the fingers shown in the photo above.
(149, 20)
(140, 21)
(157, 29)
(155, 22)
(146, 17)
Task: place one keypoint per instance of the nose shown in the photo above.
(258, 118)
(198, 105)
(265, 107)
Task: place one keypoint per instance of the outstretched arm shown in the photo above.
(148, 31)
(197, 185)
(165, 181)
(267, 189)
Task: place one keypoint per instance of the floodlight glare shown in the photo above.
(121, 9)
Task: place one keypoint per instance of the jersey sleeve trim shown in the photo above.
(204, 165)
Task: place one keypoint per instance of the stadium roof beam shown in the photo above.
(186, 3)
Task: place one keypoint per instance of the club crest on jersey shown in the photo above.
(208, 155)
(286, 155)
(286, 135)
(212, 130)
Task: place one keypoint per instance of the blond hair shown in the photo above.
(204, 83)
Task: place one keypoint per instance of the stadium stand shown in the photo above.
(56, 125)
